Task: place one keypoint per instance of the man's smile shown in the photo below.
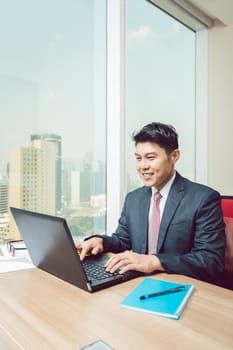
(147, 174)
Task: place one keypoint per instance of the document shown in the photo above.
(20, 261)
(159, 297)
(98, 345)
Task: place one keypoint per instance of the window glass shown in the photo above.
(160, 80)
(53, 112)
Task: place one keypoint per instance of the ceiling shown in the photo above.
(216, 9)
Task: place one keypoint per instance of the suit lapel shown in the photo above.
(144, 207)
(174, 197)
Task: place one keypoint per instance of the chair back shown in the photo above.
(227, 209)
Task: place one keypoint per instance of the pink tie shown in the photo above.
(154, 223)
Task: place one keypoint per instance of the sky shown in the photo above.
(160, 78)
(53, 73)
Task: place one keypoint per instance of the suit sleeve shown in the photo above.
(120, 240)
(205, 260)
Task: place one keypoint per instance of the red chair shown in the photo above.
(227, 208)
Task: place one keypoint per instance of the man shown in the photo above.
(191, 238)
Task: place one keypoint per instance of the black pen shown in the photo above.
(167, 291)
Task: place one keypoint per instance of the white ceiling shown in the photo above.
(216, 9)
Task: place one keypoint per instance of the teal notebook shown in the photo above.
(168, 305)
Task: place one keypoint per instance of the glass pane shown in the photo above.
(160, 80)
(53, 111)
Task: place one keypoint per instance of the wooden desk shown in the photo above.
(39, 311)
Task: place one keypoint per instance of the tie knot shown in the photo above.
(157, 196)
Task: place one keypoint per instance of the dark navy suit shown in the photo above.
(191, 237)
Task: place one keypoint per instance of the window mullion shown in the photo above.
(115, 110)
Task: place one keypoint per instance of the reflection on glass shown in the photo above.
(160, 80)
(52, 112)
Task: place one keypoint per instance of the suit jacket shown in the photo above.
(192, 232)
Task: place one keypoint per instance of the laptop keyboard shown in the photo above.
(97, 271)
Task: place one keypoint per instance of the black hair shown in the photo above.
(162, 134)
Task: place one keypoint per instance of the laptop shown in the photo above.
(52, 249)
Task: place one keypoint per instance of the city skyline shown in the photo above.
(39, 180)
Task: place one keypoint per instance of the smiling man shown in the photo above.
(170, 224)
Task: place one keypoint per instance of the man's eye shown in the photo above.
(151, 158)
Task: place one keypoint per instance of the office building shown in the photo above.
(4, 217)
(56, 141)
(75, 188)
(3, 196)
(87, 180)
(4, 228)
(100, 178)
(32, 177)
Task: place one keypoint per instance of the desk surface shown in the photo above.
(39, 311)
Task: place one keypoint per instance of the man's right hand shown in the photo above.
(91, 246)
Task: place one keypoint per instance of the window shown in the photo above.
(160, 80)
(53, 100)
(53, 111)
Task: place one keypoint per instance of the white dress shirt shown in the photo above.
(164, 192)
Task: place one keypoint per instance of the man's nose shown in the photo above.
(144, 164)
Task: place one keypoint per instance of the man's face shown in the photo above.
(154, 165)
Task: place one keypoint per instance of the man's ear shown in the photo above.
(175, 155)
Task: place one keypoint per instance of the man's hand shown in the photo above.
(91, 246)
(133, 261)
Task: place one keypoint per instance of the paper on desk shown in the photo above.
(9, 263)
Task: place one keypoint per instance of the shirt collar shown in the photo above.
(166, 188)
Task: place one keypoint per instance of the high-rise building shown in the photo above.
(100, 178)
(92, 178)
(4, 217)
(56, 141)
(68, 167)
(87, 181)
(75, 188)
(4, 228)
(3, 196)
(33, 178)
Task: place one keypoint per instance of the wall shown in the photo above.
(220, 134)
